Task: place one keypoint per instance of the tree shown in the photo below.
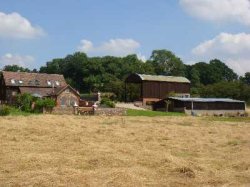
(215, 71)
(53, 66)
(195, 77)
(15, 68)
(204, 72)
(247, 78)
(221, 72)
(166, 63)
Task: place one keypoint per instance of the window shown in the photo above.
(63, 101)
(37, 82)
(49, 83)
(13, 81)
(67, 91)
(57, 83)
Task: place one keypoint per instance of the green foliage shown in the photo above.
(149, 113)
(4, 110)
(39, 104)
(15, 68)
(195, 77)
(166, 63)
(46, 103)
(194, 92)
(213, 72)
(235, 90)
(49, 103)
(107, 102)
(17, 112)
(246, 78)
(24, 102)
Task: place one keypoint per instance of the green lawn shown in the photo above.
(131, 112)
(17, 112)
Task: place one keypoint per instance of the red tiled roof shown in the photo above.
(44, 92)
(24, 79)
(40, 92)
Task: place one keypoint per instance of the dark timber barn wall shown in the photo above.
(155, 88)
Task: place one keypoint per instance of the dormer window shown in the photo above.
(57, 83)
(37, 82)
(49, 83)
(13, 81)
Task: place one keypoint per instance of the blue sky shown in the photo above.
(34, 32)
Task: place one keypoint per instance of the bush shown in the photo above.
(46, 103)
(49, 103)
(24, 102)
(107, 102)
(4, 110)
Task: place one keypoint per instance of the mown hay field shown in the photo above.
(58, 150)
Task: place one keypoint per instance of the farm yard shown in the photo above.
(64, 150)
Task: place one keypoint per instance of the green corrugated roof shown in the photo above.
(162, 78)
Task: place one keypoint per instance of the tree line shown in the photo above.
(107, 74)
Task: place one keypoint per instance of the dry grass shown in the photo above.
(123, 151)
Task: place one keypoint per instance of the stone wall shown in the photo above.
(98, 111)
(111, 111)
(63, 110)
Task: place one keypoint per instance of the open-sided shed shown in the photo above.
(157, 87)
(202, 106)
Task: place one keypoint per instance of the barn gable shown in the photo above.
(155, 87)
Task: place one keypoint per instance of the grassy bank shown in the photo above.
(149, 113)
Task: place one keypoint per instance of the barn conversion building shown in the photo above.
(153, 88)
(38, 85)
(202, 106)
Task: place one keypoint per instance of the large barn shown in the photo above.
(202, 106)
(153, 88)
(39, 85)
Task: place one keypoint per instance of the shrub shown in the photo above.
(49, 103)
(107, 102)
(4, 110)
(46, 103)
(38, 105)
(24, 102)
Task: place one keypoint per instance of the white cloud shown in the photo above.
(219, 10)
(114, 47)
(234, 49)
(15, 59)
(15, 26)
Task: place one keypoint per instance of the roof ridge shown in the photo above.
(22, 72)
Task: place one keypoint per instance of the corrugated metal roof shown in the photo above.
(162, 78)
(207, 100)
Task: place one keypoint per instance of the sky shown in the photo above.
(35, 32)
